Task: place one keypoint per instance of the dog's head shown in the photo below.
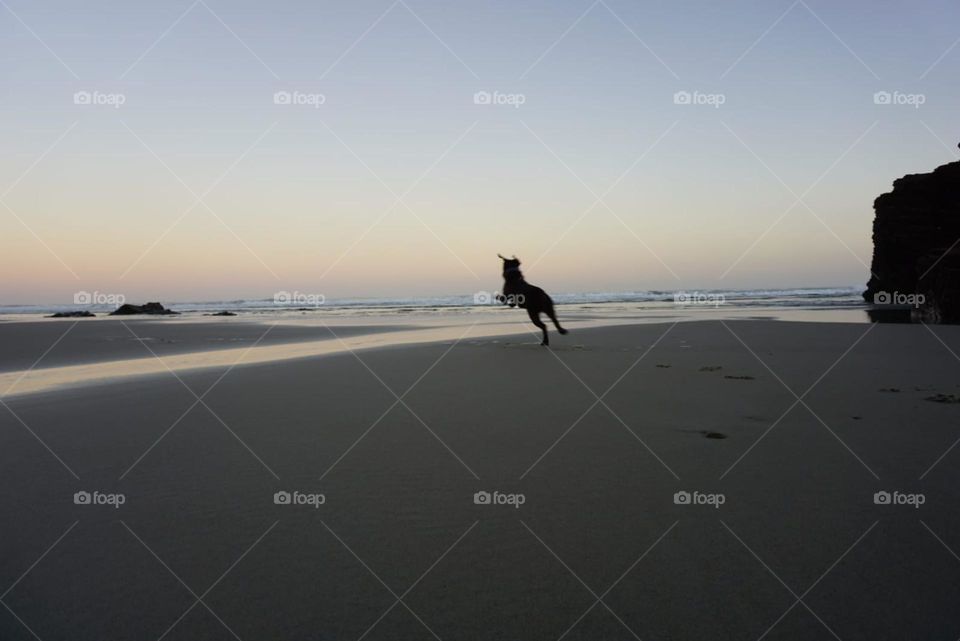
(510, 264)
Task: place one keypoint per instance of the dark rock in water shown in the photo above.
(223, 313)
(916, 257)
(149, 308)
(80, 314)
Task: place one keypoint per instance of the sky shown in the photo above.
(216, 150)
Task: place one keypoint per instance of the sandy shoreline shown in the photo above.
(43, 355)
(500, 414)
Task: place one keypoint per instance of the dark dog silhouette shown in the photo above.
(519, 293)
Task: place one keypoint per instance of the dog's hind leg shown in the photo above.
(553, 317)
(535, 318)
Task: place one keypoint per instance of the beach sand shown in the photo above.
(399, 439)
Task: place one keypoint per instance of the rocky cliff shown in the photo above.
(916, 245)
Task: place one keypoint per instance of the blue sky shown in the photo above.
(200, 185)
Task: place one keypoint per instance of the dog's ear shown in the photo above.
(500, 256)
(516, 259)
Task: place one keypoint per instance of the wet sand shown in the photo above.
(84, 341)
(41, 355)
